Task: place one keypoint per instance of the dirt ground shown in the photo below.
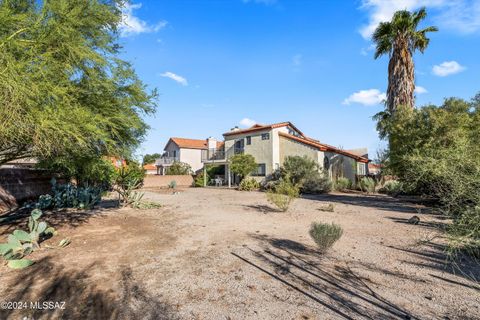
(225, 254)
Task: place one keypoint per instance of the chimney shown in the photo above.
(236, 128)
(211, 143)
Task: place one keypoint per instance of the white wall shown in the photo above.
(193, 157)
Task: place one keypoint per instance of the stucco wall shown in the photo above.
(193, 157)
(341, 166)
(154, 181)
(170, 147)
(290, 147)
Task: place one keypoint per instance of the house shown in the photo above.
(150, 168)
(271, 144)
(187, 151)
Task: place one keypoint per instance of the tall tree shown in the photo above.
(400, 39)
(63, 88)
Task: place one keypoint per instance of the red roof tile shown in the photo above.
(193, 143)
(150, 166)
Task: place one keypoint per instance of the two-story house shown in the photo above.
(271, 144)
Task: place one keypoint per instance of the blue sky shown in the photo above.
(222, 63)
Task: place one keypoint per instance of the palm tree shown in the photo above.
(400, 38)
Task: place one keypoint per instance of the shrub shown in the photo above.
(367, 184)
(299, 168)
(317, 182)
(198, 180)
(325, 235)
(249, 184)
(243, 164)
(172, 184)
(328, 208)
(283, 194)
(179, 168)
(131, 176)
(392, 187)
(70, 196)
(342, 184)
(465, 233)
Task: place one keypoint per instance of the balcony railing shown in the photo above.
(212, 155)
(165, 160)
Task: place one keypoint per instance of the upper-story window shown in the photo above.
(265, 136)
(249, 140)
(293, 132)
(174, 153)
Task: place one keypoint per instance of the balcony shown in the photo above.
(213, 155)
(165, 161)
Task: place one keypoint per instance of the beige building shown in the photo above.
(271, 144)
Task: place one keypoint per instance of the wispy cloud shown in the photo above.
(132, 25)
(175, 77)
(420, 90)
(447, 68)
(246, 122)
(459, 15)
(265, 2)
(368, 97)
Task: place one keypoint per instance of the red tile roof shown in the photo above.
(323, 147)
(260, 127)
(193, 143)
(150, 166)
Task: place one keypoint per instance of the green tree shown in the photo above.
(150, 158)
(242, 165)
(179, 168)
(63, 88)
(399, 38)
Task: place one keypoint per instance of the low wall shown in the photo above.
(154, 181)
(20, 184)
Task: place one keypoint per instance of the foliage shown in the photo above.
(131, 176)
(435, 152)
(305, 173)
(392, 187)
(179, 168)
(342, 184)
(399, 38)
(212, 172)
(172, 184)
(91, 171)
(63, 88)
(367, 184)
(249, 184)
(198, 181)
(21, 243)
(328, 208)
(325, 235)
(242, 164)
(283, 193)
(465, 232)
(150, 158)
(70, 196)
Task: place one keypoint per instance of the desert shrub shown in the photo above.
(392, 187)
(242, 165)
(317, 182)
(283, 194)
(465, 233)
(325, 235)
(327, 208)
(249, 184)
(131, 176)
(21, 243)
(198, 180)
(172, 184)
(179, 168)
(342, 184)
(367, 184)
(69, 195)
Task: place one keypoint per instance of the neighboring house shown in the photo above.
(150, 168)
(374, 169)
(187, 151)
(271, 144)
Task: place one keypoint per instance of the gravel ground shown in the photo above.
(225, 254)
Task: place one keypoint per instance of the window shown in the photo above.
(361, 169)
(249, 140)
(174, 153)
(261, 170)
(265, 136)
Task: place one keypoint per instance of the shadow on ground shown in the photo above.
(48, 281)
(262, 208)
(56, 218)
(376, 201)
(332, 284)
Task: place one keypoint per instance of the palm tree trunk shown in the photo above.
(401, 77)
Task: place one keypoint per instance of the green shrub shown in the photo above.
(131, 176)
(464, 233)
(198, 180)
(325, 235)
(299, 168)
(283, 194)
(249, 184)
(179, 168)
(392, 187)
(69, 195)
(21, 244)
(172, 184)
(317, 182)
(242, 164)
(367, 184)
(342, 184)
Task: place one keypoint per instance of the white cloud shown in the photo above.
(175, 77)
(447, 68)
(132, 25)
(297, 60)
(246, 122)
(459, 15)
(420, 90)
(368, 97)
(266, 2)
